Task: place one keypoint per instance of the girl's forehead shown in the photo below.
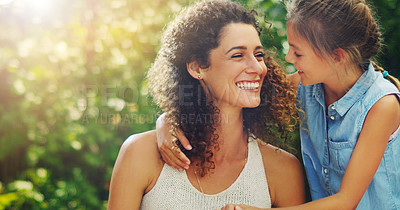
(295, 40)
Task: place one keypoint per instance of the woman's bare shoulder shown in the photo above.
(139, 153)
(142, 148)
(278, 161)
(284, 174)
(145, 139)
(136, 170)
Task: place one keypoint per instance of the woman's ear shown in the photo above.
(194, 69)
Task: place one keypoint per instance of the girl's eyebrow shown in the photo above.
(294, 46)
(243, 48)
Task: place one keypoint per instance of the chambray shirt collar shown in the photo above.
(352, 96)
(356, 92)
(318, 94)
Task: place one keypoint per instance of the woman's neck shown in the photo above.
(232, 137)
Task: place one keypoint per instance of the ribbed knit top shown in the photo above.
(173, 189)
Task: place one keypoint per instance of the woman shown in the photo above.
(210, 80)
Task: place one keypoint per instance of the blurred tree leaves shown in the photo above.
(72, 89)
(387, 13)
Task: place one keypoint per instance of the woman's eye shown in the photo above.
(260, 55)
(237, 55)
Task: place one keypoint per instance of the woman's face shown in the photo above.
(237, 69)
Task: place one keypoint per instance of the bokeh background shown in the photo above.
(72, 88)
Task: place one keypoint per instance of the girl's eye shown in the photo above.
(297, 55)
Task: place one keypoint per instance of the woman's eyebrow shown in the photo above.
(243, 48)
(236, 47)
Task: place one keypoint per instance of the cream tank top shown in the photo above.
(173, 189)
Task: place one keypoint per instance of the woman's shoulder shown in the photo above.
(135, 171)
(139, 153)
(145, 139)
(279, 164)
(277, 157)
(284, 174)
(141, 147)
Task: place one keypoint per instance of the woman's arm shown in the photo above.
(171, 154)
(135, 171)
(382, 120)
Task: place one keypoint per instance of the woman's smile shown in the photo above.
(249, 85)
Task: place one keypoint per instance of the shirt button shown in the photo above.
(333, 107)
(333, 117)
(325, 170)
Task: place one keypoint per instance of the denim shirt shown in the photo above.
(328, 140)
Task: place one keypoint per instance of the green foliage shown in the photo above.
(72, 88)
(39, 190)
(388, 15)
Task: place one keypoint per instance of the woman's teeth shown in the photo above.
(248, 85)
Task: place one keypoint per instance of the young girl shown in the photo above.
(349, 129)
(350, 145)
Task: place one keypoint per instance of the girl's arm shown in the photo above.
(173, 156)
(134, 171)
(381, 121)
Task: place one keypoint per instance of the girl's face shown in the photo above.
(311, 67)
(237, 69)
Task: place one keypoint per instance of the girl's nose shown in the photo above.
(289, 58)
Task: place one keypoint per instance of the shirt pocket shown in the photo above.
(340, 152)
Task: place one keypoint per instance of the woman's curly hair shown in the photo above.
(191, 37)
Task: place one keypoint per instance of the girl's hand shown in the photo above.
(167, 147)
(239, 207)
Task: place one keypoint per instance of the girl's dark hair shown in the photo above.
(191, 36)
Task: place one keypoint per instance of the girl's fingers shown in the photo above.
(182, 157)
(170, 153)
(173, 159)
(228, 207)
(184, 141)
(168, 161)
(170, 145)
